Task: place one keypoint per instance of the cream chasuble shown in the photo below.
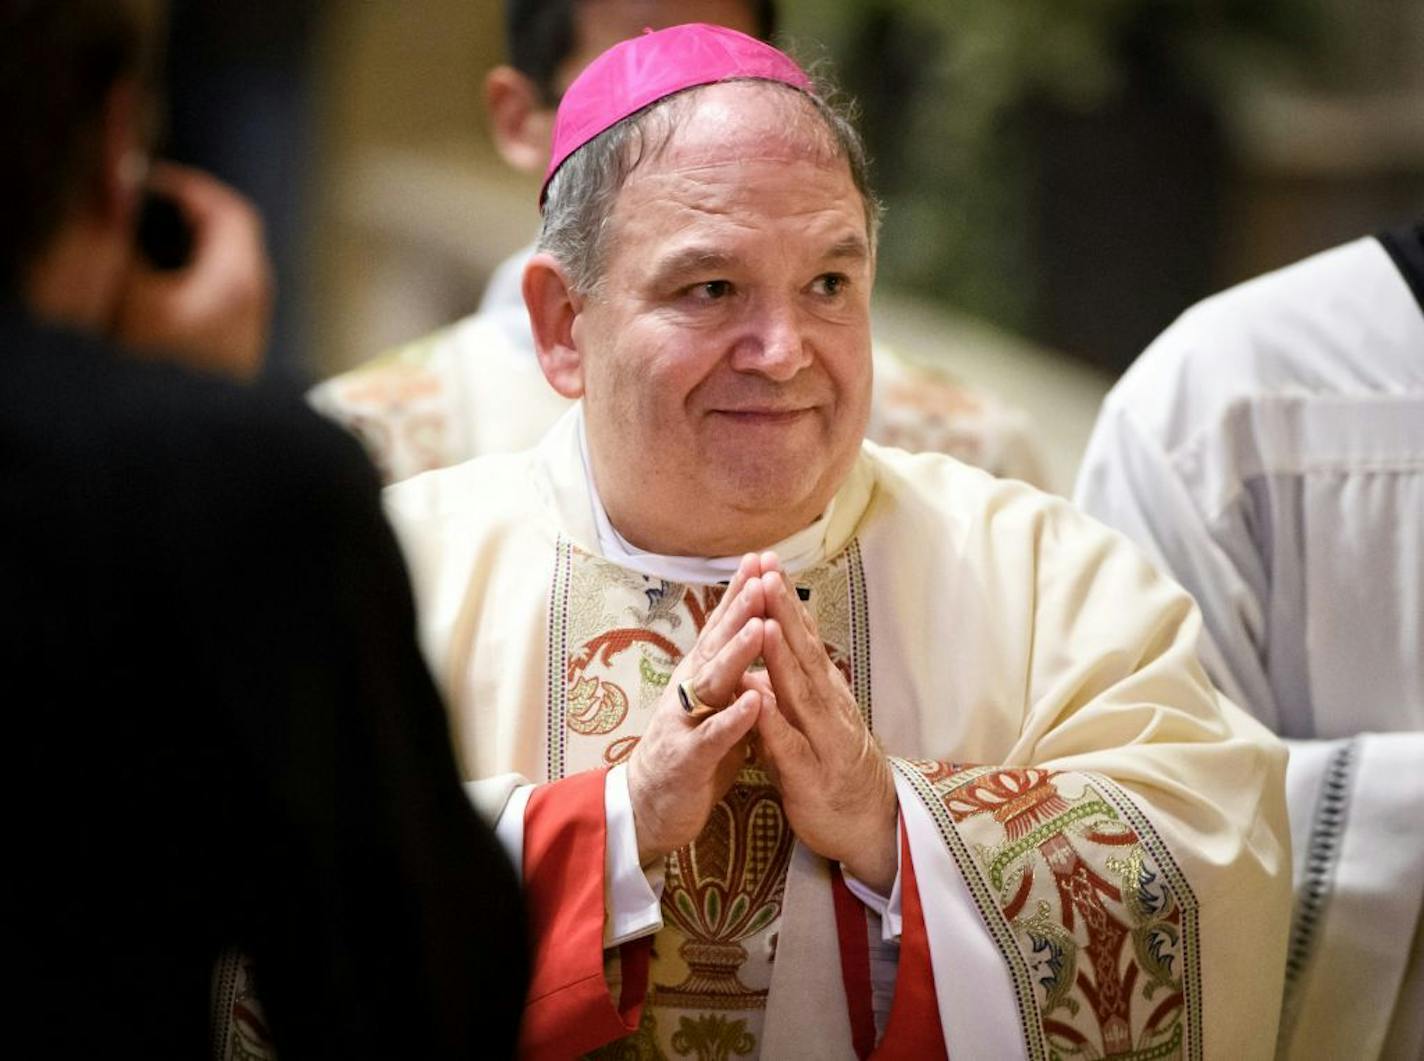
(1094, 848)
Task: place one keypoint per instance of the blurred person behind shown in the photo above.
(475, 387)
(226, 739)
(1268, 451)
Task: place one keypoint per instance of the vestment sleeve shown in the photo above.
(571, 1007)
(1347, 799)
(1119, 882)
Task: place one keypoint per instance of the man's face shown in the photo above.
(726, 351)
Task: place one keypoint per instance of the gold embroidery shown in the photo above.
(724, 888)
(620, 636)
(1108, 948)
(596, 707)
(712, 1038)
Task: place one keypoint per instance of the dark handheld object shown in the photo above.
(163, 234)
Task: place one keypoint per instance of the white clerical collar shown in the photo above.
(797, 552)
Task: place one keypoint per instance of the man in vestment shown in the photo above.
(806, 747)
(1268, 450)
(224, 749)
(474, 387)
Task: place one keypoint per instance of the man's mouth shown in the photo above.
(764, 415)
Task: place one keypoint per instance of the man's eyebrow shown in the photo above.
(692, 261)
(699, 260)
(852, 248)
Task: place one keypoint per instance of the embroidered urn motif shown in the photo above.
(725, 887)
(1018, 800)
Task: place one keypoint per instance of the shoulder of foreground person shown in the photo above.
(101, 411)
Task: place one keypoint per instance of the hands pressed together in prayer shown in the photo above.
(798, 715)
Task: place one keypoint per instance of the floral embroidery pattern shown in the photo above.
(712, 1038)
(1097, 922)
(620, 634)
(399, 408)
(596, 706)
(614, 639)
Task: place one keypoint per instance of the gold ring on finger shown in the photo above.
(692, 704)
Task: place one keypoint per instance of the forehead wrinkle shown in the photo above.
(733, 178)
(714, 135)
(747, 147)
(713, 235)
(738, 185)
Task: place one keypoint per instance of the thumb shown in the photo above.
(718, 733)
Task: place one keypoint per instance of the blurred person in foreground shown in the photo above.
(1268, 450)
(806, 745)
(226, 751)
(474, 387)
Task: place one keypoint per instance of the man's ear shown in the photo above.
(520, 121)
(554, 307)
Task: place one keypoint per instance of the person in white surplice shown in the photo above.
(809, 748)
(1268, 450)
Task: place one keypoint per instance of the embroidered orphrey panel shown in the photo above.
(614, 638)
(1093, 916)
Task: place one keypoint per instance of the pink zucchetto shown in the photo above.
(643, 70)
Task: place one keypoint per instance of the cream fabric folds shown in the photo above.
(998, 627)
(984, 1021)
(1268, 451)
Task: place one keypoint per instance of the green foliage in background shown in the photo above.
(943, 84)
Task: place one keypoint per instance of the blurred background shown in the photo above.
(1062, 177)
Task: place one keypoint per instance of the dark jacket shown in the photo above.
(220, 732)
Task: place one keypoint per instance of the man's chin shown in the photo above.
(782, 487)
(774, 501)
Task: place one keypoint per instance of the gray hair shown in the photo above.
(580, 198)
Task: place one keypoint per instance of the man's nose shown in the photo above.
(775, 344)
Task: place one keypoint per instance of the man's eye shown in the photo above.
(714, 290)
(830, 285)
